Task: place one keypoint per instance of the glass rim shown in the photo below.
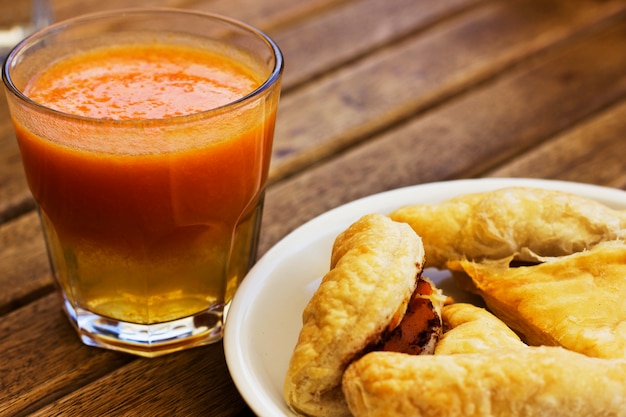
(267, 84)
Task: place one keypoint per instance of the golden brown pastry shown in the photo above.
(481, 368)
(525, 223)
(374, 268)
(471, 329)
(576, 301)
(523, 382)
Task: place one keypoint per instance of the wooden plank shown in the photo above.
(23, 260)
(421, 72)
(36, 331)
(587, 150)
(263, 14)
(194, 383)
(318, 45)
(258, 13)
(500, 119)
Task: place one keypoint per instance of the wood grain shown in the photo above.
(23, 261)
(501, 119)
(585, 152)
(38, 331)
(418, 73)
(191, 383)
(351, 31)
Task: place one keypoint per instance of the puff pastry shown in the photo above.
(471, 329)
(488, 373)
(374, 269)
(519, 222)
(576, 301)
(524, 382)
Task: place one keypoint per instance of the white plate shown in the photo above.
(264, 319)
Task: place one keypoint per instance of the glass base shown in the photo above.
(147, 340)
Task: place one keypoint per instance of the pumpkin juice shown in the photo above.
(151, 193)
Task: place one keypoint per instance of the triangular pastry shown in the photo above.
(520, 222)
(576, 301)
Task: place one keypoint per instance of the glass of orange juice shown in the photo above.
(146, 138)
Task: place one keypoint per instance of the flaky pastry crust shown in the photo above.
(373, 273)
(472, 329)
(522, 382)
(520, 222)
(576, 301)
(486, 374)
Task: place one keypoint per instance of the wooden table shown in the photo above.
(378, 94)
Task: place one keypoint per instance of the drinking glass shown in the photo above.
(151, 222)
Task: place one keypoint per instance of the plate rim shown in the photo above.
(234, 350)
